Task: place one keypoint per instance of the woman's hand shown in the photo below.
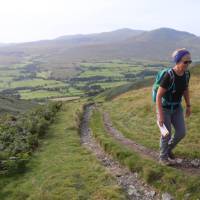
(188, 111)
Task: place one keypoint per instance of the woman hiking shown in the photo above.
(173, 85)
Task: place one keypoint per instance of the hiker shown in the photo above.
(173, 85)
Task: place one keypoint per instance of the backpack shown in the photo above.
(167, 99)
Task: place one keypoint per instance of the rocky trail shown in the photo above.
(135, 188)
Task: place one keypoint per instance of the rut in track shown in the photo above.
(186, 165)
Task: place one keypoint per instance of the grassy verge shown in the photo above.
(162, 178)
(61, 168)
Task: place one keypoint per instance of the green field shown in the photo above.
(87, 78)
(44, 74)
(33, 83)
(110, 85)
(116, 69)
(38, 94)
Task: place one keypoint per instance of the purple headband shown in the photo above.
(179, 55)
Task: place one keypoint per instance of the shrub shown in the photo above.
(19, 137)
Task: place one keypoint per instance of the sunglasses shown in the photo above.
(187, 62)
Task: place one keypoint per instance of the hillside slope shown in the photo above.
(133, 113)
(61, 168)
(13, 105)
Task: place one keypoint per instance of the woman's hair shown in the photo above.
(179, 53)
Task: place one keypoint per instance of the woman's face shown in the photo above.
(184, 62)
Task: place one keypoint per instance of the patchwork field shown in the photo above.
(29, 79)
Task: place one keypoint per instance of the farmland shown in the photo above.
(29, 79)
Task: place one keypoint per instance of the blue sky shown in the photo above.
(29, 20)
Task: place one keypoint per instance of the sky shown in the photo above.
(31, 20)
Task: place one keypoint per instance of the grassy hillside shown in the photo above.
(13, 105)
(133, 113)
(116, 91)
(61, 168)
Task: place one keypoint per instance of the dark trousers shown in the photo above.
(176, 118)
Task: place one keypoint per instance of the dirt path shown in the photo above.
(134, 188)
(187, 165)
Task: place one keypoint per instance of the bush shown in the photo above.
(19, 137)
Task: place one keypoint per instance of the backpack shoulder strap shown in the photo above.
(187, 73)
(172, 77)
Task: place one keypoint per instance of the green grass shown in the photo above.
(111, 93)
(44, 74)
(162, 178)
(12, 73)
(133, 113)
(73, 91)
(6, 79)
(62, 168)
(14, 106)
(38, 94)
(114, 69)
(112, 64)
(101, 72)
(106, 85)
(32, 83)
(41, 77)
(42, 93)
(8, 83)
(57, 85)
(23, 64)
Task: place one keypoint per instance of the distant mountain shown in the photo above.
(104, 37)
(163, 34)
(125, 43)
(151, 45)
(159, 44)
(71, 41)
(154, 45)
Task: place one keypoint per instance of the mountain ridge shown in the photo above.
(126, 43)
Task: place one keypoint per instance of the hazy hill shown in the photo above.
(70, 41)
(104, 37)
(151, 45)
(119, 44)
